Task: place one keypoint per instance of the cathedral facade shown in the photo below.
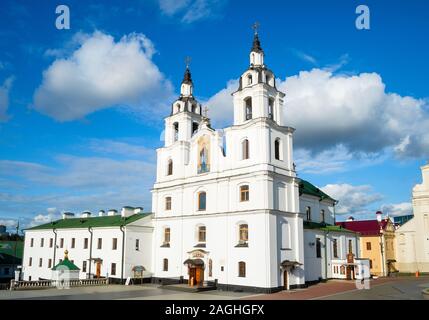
(226, 206)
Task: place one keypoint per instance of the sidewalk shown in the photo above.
(319, 290)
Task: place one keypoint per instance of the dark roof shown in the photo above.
(364, 227)
(325, 227)
(94, 222)
(7, 248)
(306, 187)
(187, 76)
(194, 262)
(256, 47)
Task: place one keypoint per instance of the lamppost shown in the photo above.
(381, 234)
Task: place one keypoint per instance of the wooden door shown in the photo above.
(199, 277)
(191, 276)
(285, 280)
(98, 269)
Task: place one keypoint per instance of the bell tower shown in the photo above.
(186, 112)
(257, 95)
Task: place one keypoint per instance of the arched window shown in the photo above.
(286, 236)
(167, 203)
(245, 149)
(165, 265)
(244, 193)
(176, 131)
(243, 233)
(249, 79)
(202, 234)
(248, 103)
(277, 149)
(271, 108)
(170, 167)
(267, 79)
(177, 108)
(194, 127)
(242, 269)
(308, 213)
(167, 235)
(322, 215)
(202, 201)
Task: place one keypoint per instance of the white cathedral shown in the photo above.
(227, 207)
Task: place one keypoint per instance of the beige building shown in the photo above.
(412, 238)
(377, 240)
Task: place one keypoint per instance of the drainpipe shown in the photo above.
(55, 245)
(90, 250)
(326, 255)
(123, 252)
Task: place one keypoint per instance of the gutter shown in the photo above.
(123, 252)
(90, 251)
(326, 254)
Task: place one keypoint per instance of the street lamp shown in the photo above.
(379, 219)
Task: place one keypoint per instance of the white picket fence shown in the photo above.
(18, 285)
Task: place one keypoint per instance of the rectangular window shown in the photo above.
(51, 242)
(49, 263)
(370, 263)
(84, 266)
(318, 248)
(350, 246)
(114, 243)
(85, 243)
(113, 269)
(168, 203)
(165, 265)
(244, 233)
(335, 248)
(62, 243)
(30, 261)
(308, 213)
(244, 193)
(322, 215)
(99, 243)
(73, 243)
(31, 242)
(202, 234)
(40, 262)
(42, 242)
(137, 244)
(368, 246)
(202, 201)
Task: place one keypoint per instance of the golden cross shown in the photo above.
(255, 27)
(188, 61)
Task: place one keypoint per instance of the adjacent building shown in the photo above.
(376, 243)
(10, 258)
(108, 245)
(412, 238)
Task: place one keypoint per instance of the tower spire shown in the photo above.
(256, 47)
(187, 86)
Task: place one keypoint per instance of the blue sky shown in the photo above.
(81, 110)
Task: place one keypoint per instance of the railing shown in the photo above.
(17, 285)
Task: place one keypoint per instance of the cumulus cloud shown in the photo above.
(4, 98)
(354, 200)
(351, 111)
(103, 73)
(191, 10)
(397, 209)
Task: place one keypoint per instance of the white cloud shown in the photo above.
(397, 209)
(102, 73)
(9, 223)
(353, 200)
(351, 111)
(191, 10)
(4, 98)
(51, 214)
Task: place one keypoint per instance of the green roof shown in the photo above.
(306, 187)
(325, 227)
(7, 252)
(67, 264)
(93, 222)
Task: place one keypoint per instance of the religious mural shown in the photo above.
(204, 154)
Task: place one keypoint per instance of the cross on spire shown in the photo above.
(255, 27)
(187, 61)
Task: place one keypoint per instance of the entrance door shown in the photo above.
(285, 280)
(192, 276)
(199, 276)
(98, 269)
